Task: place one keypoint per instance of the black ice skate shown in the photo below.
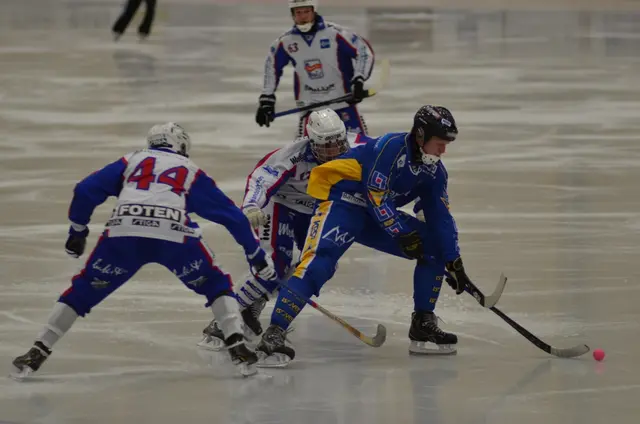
(272, 349)
(427, 338)
(31, 361)
(241, 356)
(251, 317)
(212, 337)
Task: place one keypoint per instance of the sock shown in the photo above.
(226, 312)
(60, 321)
(426, 288)
(288, 305)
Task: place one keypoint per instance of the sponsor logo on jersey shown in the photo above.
(107, 269)
(345, 115)
(266, 230)
(378, 180)
(148, 211)
(114, 222)
(325, 43)
(146, 222)
(314, 68)
(324, 89)
(270, 170)
(402, 161)
(383, 213)
(353, 199)
(306, 203)
(292, 48)
(296, 159)
(182, 229)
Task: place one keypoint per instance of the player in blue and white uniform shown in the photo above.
(157, 188)
(329, 62)
(358, 199)
(278, 206)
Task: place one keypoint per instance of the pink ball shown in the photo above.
(598, 355)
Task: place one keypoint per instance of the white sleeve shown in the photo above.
(365, 57)
(271, 173)
(276, 60)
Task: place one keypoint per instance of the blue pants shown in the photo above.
(114, 261)
(353, 121)
(334, 227)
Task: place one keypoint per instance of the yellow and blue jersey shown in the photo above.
(380, 175)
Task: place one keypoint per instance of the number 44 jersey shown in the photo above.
(156, 191)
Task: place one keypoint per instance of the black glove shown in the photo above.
(76, 242)
(264, 115)
(411, 245)
(357, 89)
(457, 279)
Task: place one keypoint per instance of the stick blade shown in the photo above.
(571, 352)
(380, 337)
(491, 300)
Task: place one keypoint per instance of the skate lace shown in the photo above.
(433, 326)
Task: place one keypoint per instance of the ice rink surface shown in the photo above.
(544, 183)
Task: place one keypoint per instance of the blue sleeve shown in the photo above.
(435, 206)
(380, 177)
(94, 190)
(208, 201)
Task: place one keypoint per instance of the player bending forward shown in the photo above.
(329, 62)
(157, 188)
(277, 204)
(358, 199)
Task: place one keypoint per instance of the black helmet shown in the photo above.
(435, 121)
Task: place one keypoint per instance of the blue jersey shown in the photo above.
(157, 190)
(382, 176)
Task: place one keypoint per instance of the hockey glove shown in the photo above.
(411, 245)
(457, 278)
(254, 214)
(357, 89)
(76, 242)
(264, 115)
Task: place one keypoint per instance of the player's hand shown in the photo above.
(76, 242)
(457, 277)
(254, 214)
(357, 89)
(266, 110)
(411, 245)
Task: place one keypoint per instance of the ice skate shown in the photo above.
(241, 356)
(212, 337)
(427, 338)
(30, 362)
(273, 350)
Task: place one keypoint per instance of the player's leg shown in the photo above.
(121, 24)
(145, 26)
(276, 238)
(334, 227)
(353, 119)
(193, 263)
(425, 336)
(112, 262)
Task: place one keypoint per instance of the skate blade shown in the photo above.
(246, 370)
(18, 374)
(211, 343)
(275, 360)
(428, 348)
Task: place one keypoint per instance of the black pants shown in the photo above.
(127, 14)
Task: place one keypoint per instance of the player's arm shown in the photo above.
(358, 48)
(275, 62)
(435, 207)
(266, 179)
(88, 194)
(379, 180)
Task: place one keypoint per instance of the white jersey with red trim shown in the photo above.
(283, 176)
(152, 202)
(325, 61)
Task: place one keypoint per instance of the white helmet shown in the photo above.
(170, 136)
(328, 135)
(303, 3)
